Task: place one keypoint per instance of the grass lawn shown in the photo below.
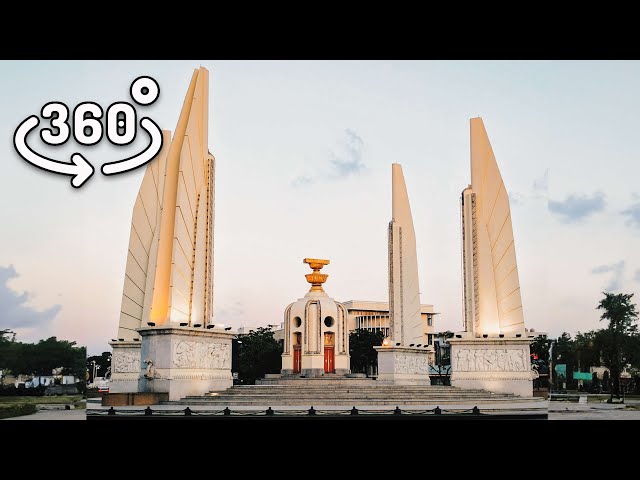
(18, 406)
(51, 399)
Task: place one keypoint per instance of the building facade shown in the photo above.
(375, 316)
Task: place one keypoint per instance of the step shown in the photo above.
(442, 404)
(355, 394)
(342, 392)
(268, 399)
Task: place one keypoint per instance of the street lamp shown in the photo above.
(93, 371)
(96, 367)
(550, 369)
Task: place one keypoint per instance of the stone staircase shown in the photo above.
(333, 393)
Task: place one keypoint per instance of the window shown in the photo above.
(430, 320)
(328, 322)
(297, 321)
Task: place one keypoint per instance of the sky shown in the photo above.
(303, 169)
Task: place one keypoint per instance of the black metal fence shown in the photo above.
(397, 412)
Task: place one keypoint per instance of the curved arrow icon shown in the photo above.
(143, 157)
(80, 168)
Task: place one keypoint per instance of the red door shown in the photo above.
(329, 358)
(297, 351)
(329, 353)
(296, 358)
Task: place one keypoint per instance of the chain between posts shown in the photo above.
(148, 411)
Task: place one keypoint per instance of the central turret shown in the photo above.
(316, 336)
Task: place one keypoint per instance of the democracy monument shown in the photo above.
(167, 343)
(169, 348)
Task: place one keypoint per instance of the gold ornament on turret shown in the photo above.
(316, 279)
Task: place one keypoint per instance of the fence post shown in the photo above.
(312, 411)
(354, 411)
(187, 411)
(111, 411)
(148, 411)
(397, 411)
(437, 410)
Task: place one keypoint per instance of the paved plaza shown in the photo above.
(58, 414)
(575, 411)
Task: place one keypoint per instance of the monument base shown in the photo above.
(125, 367)
(184, 361)
(403, 365)
(313, 365)
(499, 365)
(133, 398)
(315, 372)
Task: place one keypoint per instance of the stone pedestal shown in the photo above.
(184, 361)
(500, 365)
(125, 367)
(313, 365)
(403, 365)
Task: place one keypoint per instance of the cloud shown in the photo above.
(539, 189)
(577, 206)
(633, 212)
(344, 161)
(541, 185)
(516, 198)
(349, 160)
(301, 181)
(231, 312)
(14, 311)
(617, 269)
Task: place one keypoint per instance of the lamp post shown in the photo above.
(108, 370)
(551, 368)
(239, 357)
(93, 378)
(93, 371)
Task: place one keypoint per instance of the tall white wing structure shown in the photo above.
(405, 322)
(491, 286)
(169, 272)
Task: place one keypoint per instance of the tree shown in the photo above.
(605, 381)
(595, 383)
(42, 357)
(620, 336)
(103, 362)
(540, 347)
(586, 346)
(563, 353)
(10, 353)
(7, 335)
(361, 351)
(258, 353)
(540, 360)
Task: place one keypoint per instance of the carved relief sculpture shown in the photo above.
(126, 362)
(201, 355)
(490, 360)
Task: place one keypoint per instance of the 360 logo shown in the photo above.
(87, 129)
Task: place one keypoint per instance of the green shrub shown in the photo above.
(17, 410)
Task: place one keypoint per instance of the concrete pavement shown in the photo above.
(77, 414)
